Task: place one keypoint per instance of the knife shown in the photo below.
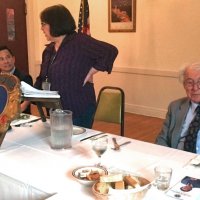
(96, 138)
(91, 136)
(34, 120)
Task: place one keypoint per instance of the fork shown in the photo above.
(117, 146)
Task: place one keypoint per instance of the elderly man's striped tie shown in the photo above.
(191, 137)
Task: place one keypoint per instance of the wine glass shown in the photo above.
(99, 146)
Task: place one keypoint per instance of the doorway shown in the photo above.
(13, 31)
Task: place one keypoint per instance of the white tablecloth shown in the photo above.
(26, 156)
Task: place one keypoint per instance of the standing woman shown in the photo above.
(70, 61)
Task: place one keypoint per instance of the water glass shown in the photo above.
(61, 129)
(162, 177)
(99, 146)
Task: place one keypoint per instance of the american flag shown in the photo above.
(84, 21)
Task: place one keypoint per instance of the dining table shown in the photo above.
(31, 169)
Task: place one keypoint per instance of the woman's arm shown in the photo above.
(89, 77)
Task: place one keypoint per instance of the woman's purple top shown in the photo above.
(67, 69)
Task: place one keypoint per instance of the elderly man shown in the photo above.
(182, 124)
(7, 65)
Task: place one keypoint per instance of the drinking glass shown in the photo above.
(99, 146)
(61, 128)
(162, 177)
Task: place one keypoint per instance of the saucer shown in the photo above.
(78, 130)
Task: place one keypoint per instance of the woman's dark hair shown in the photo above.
(59, 19)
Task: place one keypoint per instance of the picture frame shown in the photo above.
(121, 15)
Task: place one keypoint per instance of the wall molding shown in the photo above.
(148, 72)
(139, 71)
(145, 110)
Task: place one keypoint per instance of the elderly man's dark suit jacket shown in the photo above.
(175, 117)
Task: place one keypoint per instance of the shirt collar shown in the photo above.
(12, 71)
(193, 106)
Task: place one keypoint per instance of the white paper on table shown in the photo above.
(193, 167)
(29, 91)
(177, 193)
(196, 160)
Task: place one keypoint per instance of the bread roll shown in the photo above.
(133, 181)
(143, 181)
(128, 187)
(111, 178)
(93, 176)
(102, 188)
(119, 185)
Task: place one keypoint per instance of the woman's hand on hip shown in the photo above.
(89, 77)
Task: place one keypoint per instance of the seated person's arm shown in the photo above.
(28, 79)
(164, 137)
(24, 105)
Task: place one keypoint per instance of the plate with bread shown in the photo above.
(121, 186)
(88, 175)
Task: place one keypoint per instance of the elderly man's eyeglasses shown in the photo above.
(189, 83)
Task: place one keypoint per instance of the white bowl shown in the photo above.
(81, 172)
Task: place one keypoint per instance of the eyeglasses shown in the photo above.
(189, 83)
(43, 24)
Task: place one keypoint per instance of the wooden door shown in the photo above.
(13, 30)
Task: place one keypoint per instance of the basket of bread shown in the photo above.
(121, 186)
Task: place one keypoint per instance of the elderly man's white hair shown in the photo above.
(183, 71)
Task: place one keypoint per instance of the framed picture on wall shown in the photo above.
(121, 15)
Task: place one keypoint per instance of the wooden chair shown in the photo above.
(10, 98)
(110, 106)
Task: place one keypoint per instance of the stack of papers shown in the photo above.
(29, 91)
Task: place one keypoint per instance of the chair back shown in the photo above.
(10, 98)
(110, 106)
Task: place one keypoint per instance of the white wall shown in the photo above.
(166, 37)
